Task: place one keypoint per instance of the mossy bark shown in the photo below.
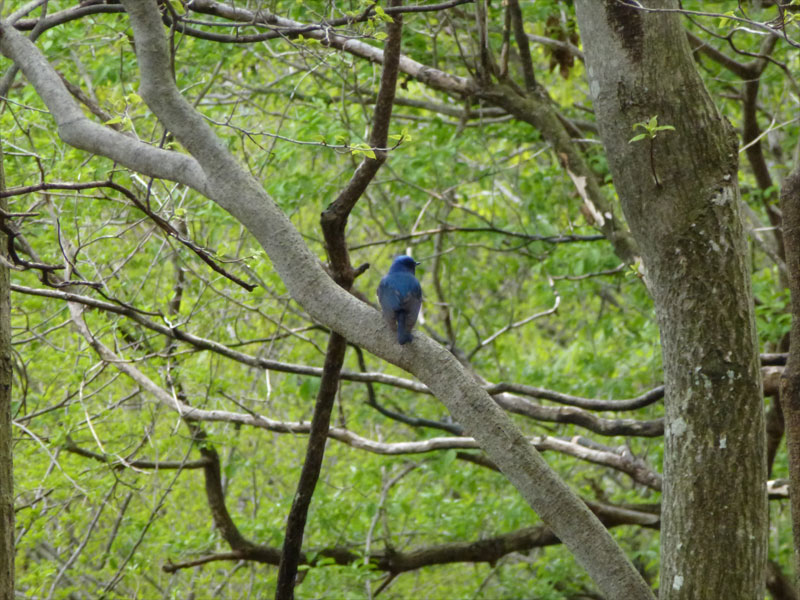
(6, 463)
(790, 381)
(680, 196)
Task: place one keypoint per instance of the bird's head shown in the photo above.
(403, 263)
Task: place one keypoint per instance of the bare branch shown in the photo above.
(645, 399)
(430, 76)
(84, 9)
(528, 237)
(163, 224)
(312, 465)
(118, 464)
(334, 218)
(552, 310)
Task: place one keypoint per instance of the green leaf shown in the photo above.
(363, 149)
(382, 15)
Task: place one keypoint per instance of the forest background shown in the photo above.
(167, 356)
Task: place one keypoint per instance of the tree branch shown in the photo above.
(78, 131)
(119, 463)
(522, 44)
(434, 77)
(219, 177)
(484, 550)
(163, 224)
(333, 222)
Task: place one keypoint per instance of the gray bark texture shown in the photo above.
(680, 196)
(790, 381)
(211, 170)
(6, 462)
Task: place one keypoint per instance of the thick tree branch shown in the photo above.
(220, 178)
(645, 399)
(216, 496)
(77, 130)
(334, 221)
(485, 550)
(317, 438)
(7, 541)
(580, 417)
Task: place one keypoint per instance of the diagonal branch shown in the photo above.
(435, 78)
(334, 221)
(334, 218)
(312, 465)
(78, 131)
(218, 176)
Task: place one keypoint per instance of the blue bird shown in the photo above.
(400, 296)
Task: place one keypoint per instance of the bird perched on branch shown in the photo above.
(400, 296)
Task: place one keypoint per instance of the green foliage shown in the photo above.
(651, 129)
(471, 197)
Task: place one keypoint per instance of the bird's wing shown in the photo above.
(399, 291)
(410, 293)
(389, 296)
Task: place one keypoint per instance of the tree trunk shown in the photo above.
(790, 381)
(6, 463)
(680, 195)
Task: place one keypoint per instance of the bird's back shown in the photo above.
(399, 291)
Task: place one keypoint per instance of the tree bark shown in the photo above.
(6, 459)
(790, 381)
(680, 196)
(317, 438)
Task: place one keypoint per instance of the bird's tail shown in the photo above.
(403, 335)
